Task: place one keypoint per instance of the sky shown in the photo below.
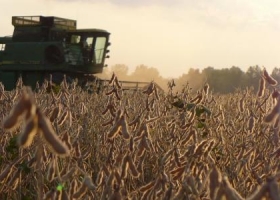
(171, 35)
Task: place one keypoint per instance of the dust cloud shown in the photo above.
(143, 73)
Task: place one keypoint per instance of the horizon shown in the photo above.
(172, 36)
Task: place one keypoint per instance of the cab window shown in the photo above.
(99, 49)
(89, 41)
(75, 39)
(2, 47)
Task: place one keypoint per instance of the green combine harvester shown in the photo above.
(43, 46)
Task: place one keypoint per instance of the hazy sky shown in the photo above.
(171, 35)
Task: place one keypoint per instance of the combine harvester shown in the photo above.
(41, 47)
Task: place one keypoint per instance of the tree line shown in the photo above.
(222, 81)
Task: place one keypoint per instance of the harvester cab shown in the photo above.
(43, 46)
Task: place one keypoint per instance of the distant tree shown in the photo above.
(276, 74)
(211, 77)
(253, 75)
(194, 78)
(120, 70)
(224, 80)
(236, 79)
(237, 75)
(145, 73)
